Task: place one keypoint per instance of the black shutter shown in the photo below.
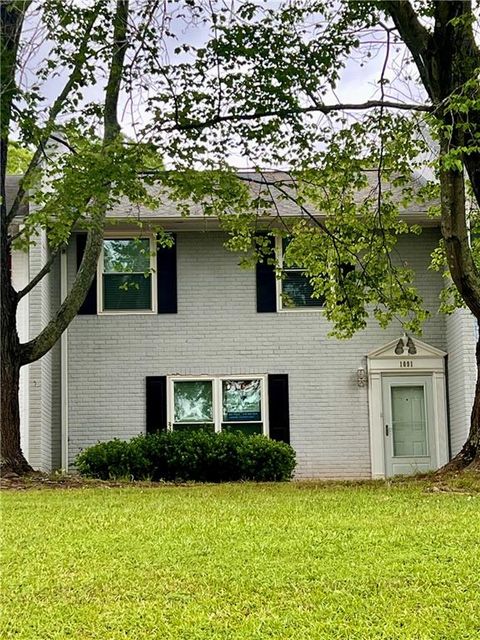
(278, 407)
(156, 403)
(89, 306)
(266, 285)
(167, 278)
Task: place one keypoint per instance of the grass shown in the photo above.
(241, 561)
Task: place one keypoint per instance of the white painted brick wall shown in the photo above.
(460, 329)
(218, 331)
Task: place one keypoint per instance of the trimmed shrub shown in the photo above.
(181, 455)
(113, 459)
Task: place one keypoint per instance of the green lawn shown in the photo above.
(241, 561)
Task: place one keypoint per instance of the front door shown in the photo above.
(408, 429)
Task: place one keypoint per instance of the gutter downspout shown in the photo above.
(64, 366)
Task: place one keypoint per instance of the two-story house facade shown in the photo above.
(200, 341)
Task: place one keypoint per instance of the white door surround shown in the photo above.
(419, 365)
(409, 438)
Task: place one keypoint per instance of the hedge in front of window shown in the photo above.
(183, 455)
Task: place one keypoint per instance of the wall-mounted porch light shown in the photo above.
(361, 377)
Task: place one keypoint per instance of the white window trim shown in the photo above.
(118, 235)
(279, 285)
(217, 398)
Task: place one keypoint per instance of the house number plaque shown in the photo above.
(406, 364)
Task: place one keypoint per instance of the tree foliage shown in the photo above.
(18, 159)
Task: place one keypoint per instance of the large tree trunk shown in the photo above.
(11, 452)
(13, 353)
(12, 458)
(11, 20)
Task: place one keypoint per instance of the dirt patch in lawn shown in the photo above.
(467, 481)
(37, 480)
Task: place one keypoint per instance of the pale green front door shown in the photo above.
(408, 429)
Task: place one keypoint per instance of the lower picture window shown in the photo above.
(218, 404)
(193, 404)
(242, 405)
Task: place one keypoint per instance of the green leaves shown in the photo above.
(250, 83)
(71, 187)
(351, 214)
(18, 158)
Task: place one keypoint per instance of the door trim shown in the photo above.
(389, 382)
(428, 361)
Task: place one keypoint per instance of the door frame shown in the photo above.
(390, 381)
(393, 361)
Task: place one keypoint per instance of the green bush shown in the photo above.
(181, 455)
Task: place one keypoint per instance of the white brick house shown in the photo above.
(205, 341)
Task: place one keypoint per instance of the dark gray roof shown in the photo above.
(264, 184)
(260, 183)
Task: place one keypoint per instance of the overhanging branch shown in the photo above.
(418, 40)
(53, 113)
(285, 113)
(39, 346)
(324, 228)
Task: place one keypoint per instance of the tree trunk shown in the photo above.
(13, 354)
(12, 458)
(11, 452)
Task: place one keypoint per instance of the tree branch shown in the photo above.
(112, 91)
(53, 113)
(39, 346)
(40, 275)
(419, 41)
(11, 23)
(279, 185)
(283, 113)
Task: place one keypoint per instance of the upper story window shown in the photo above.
(294, 290)
(127, 276)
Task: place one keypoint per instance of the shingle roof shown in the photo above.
(264, 184)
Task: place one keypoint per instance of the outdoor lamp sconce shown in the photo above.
(361, 377)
